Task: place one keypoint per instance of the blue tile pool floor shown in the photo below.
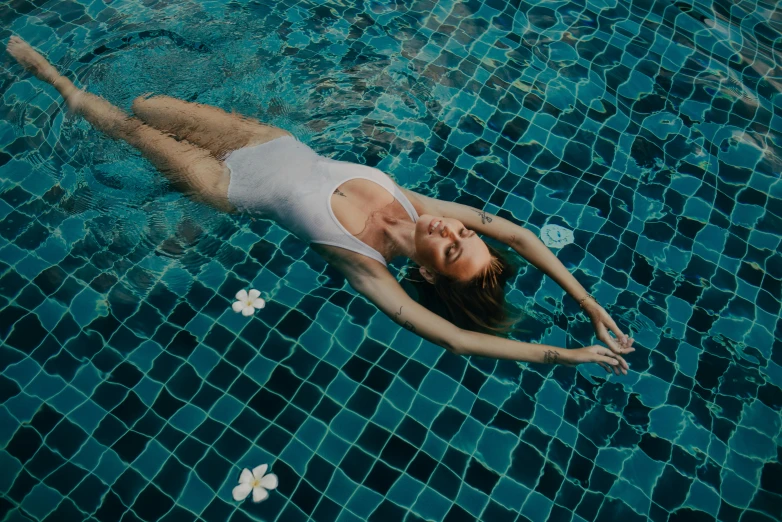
(652, 129)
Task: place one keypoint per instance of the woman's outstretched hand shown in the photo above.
(602, 322)
(596, 354)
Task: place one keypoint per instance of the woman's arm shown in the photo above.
(528, 246)
(522, 240)
(385, 292)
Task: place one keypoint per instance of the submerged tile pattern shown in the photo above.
(130, 390)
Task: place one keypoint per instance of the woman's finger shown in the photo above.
(613, 363)
(601, 332)
(623, 341)
(607, 359)
(629, 346)
(614, 328)
(624, 363)
(617, 346)
(598, 351)
(604, 366)
(619, 364)
(612, 367)
(604, 336)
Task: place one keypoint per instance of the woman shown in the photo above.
(355, 216)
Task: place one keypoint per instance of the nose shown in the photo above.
(445, 231)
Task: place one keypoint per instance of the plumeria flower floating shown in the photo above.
(248, 302)
(255, 481)
(555, 236)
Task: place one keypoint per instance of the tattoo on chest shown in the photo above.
(337, 192)
(551, 357)
(485, 218)
(407, 324)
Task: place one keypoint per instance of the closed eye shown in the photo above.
(464, 233)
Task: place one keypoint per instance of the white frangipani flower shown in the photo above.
(248, 303)
(256, 482)
(555, 236)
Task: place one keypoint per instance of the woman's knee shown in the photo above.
(144, 104)
(139, 104)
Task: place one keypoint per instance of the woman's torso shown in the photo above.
(325, 202)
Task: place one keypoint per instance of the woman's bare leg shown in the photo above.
(207, 126)
(191, 169)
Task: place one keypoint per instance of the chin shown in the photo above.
(422, 226)
(421, 238)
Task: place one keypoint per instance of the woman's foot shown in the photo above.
(32, 60)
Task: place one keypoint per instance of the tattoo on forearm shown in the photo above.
(550, 357)
(485, 218)
(407, 324)
(336, 191)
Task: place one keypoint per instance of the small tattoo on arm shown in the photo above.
(485, 218)
(407, 324)
(336, 191)
(551, 357)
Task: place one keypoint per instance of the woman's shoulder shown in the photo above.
(421, 203)
(353, 265)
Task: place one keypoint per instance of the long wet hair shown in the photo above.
(479, 304)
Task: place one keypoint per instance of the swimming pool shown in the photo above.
(652, 129)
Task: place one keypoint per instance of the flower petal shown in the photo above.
(269, 481)
(248, 310)
(241, 294)
(260, 494)
(259, 471)
(254, 294)
(241, 491)
(246, 477)
(238, 306)
(259, 303)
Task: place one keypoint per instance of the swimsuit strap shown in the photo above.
(358, 245)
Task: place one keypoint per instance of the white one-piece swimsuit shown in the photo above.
(288, 182)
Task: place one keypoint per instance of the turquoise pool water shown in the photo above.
(652, 129)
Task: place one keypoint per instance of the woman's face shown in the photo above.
(444, 245)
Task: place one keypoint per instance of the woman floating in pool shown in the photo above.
(355, 216)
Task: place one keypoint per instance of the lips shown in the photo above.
(434, 224)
